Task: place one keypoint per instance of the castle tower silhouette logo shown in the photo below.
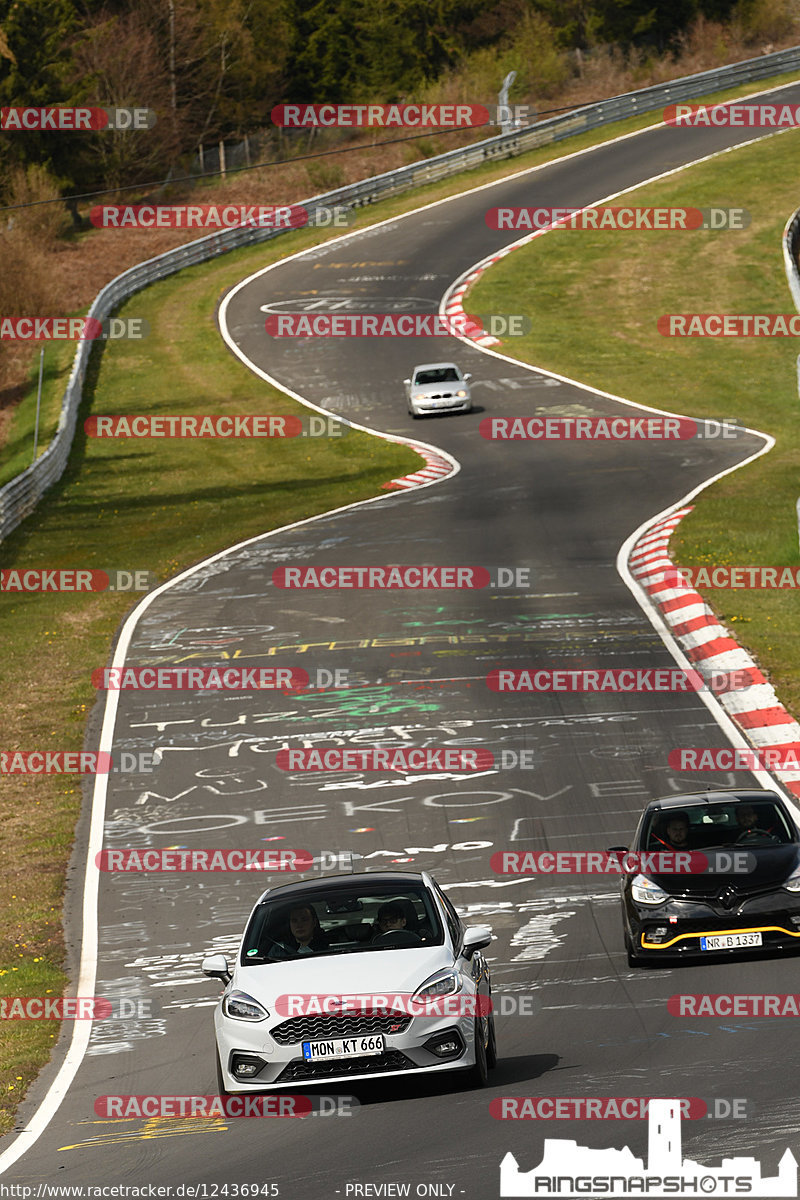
(568, 1169)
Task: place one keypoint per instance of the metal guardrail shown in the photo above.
(19, 497)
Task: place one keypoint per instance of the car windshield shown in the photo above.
(706, 826)
(357, 920)
(440, 375)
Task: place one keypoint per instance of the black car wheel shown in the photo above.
(221, 1089)
(478, 1076)
(634, 959)
(491, 1048)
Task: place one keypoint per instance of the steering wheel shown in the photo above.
(398, 937)
(754, 835)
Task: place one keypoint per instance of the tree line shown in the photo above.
(214, 69)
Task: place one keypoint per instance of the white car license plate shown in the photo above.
(729, 941)
(355, 1047)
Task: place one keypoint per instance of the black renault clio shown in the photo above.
(746, 897)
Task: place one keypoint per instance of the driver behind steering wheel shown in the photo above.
(391, 916)
(752, 824)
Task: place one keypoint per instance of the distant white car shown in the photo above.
(437, 388)
(353, 977)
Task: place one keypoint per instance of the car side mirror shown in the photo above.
(468, 375)
(216, 967)
(476, 937)
(407, 382)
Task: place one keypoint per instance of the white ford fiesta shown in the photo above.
(353, 977)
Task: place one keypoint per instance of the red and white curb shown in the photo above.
(709, 646)
(454, 305)
(436, 467)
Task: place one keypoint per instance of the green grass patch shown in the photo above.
(748, 517)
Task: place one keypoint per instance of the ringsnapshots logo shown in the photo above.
(72, 329)
(215, 426)
(55, 119)
(629, 219)
(569, 1170)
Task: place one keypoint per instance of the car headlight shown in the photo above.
(792, 884)
(462, 393)
(443, 983)
(242, 1007)
(419, 396)
(644, 891)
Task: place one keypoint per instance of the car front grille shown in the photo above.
(311, 1029)
(390, 1060)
